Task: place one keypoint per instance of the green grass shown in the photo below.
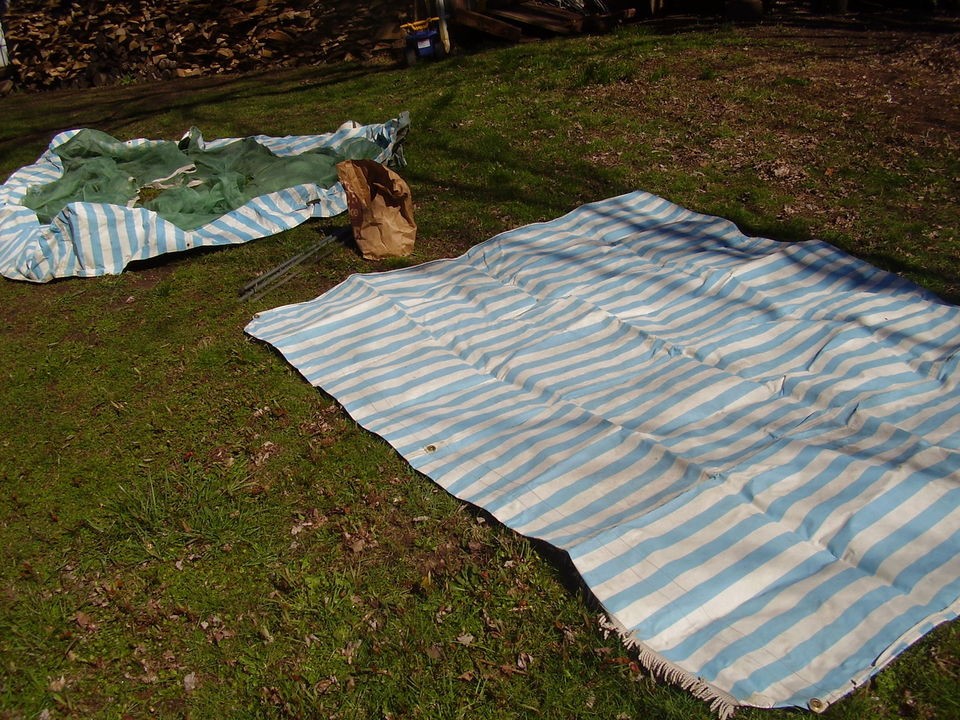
(188, 529)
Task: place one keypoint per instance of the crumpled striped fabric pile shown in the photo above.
(88, 239)
(749, 449)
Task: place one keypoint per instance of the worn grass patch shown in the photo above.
(188, 529)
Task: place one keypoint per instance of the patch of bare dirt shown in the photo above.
(848, 122)
(912, 77)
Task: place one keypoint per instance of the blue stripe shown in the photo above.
(114, 241)
(94, 245)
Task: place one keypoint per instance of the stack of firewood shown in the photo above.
(55, 43)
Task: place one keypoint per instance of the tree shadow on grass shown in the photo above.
(863, 16)
(947, 284)
(113, 107)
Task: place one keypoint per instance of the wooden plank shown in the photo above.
(536, 20)
(572, 19)
(486, 24)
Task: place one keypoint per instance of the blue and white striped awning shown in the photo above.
(90, 239)
(749, 449)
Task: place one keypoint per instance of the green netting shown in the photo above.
(181, 182)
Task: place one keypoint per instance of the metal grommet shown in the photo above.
(430, 448)
(817, 705)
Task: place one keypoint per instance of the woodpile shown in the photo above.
(58, 43)
(55, 43)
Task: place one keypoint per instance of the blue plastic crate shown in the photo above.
(425, 42)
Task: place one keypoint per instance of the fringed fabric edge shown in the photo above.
(721, 703)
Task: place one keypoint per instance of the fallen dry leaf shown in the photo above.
(350, 649)
(84, 621)
(325, 685)
(190, 682)
(358, 545)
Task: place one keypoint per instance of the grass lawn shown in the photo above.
(188, 529)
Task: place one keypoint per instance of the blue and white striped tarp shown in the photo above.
(750, 450)
(90, 239)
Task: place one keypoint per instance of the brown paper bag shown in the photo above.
(381, 209)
